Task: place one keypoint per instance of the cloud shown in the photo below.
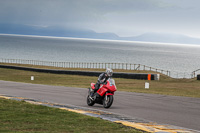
(124, 17)
(68, 10)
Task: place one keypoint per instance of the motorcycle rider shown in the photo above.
(102, 80)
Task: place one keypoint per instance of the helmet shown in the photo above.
(109, 72)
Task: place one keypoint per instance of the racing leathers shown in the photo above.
(101, 80)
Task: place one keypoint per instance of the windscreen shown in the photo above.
(112, 81)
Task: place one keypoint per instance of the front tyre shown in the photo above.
(107, 101)
(90, 102)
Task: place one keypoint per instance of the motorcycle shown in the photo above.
(104, 95)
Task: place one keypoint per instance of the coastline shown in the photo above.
(103, 40)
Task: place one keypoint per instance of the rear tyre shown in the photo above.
(90, 102)
(107, 101)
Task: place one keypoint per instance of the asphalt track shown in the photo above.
(172, 110)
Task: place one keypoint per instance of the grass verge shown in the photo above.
(165, 86)
(19, 116)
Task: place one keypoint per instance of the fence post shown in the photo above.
(138, 68)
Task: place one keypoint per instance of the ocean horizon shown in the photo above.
(112, 40)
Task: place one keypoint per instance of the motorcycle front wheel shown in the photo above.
(107, 101)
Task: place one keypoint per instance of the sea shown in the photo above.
(179, 59)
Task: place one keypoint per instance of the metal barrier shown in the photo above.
(125, 66)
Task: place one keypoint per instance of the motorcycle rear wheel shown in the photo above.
(107, 102)
(90, 102)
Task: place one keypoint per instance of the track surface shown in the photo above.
(172, 110)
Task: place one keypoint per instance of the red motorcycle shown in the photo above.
(104, 95)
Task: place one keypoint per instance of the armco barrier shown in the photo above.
(88, 73)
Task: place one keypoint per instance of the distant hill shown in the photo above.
(164, 37)
(85, 33)
(53, 31)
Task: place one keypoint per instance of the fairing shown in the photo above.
(93, 86)
(109, 87)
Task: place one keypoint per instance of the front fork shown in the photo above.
(106, 97)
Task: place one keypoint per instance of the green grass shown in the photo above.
(19, 116)
(165, 86)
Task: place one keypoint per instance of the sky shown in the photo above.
(122, 17)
